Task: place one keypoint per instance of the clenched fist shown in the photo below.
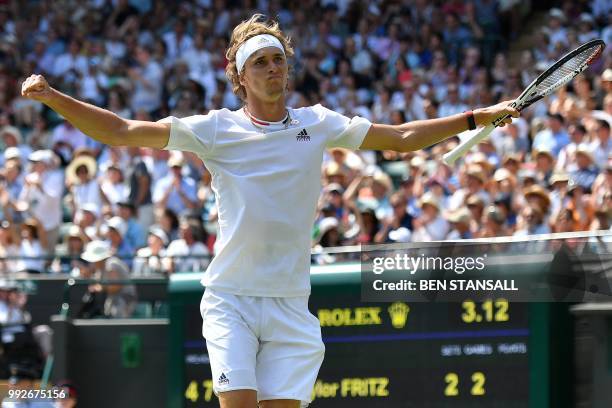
(484, 116)
(36, 87)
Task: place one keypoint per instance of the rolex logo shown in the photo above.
(399, 314)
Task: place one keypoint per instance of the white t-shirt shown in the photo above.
(88, 193)
(45, 202)
(31, 250)
(179, 250)
(266, 186)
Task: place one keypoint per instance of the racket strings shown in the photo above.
(567, 71)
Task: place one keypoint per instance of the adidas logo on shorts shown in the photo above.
(223, 380)
(303, 136)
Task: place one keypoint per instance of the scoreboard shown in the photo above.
(423, 354)
(491, 353)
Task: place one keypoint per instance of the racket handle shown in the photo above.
(467, 144)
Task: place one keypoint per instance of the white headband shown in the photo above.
(254, 44)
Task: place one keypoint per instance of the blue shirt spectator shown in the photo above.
(175, 191)
(554, 137)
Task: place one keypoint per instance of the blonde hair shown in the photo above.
(255, 25)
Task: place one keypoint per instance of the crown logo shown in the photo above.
(399, 314)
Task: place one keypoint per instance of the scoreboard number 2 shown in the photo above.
(478, 379)
(452, 384)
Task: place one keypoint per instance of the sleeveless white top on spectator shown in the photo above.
(266, 183)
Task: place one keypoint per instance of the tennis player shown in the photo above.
(264, 345)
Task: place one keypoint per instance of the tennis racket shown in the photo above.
(559, 74)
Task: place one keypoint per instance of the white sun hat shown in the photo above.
(96, 251)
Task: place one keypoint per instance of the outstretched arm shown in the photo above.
(418, 134)
(98, 123)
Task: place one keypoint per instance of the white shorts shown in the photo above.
(270, 345)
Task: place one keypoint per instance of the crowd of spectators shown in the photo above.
(63, 194)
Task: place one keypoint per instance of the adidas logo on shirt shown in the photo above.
(223, 380)
(303, 136)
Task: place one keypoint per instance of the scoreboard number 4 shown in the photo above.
(452, 384)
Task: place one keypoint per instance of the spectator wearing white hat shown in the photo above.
(87, 218)
(121, 298)
(329, 235)
(42, 194)
(505, 182)
(13, 154)
(11, 136)
(115, 230)
(556, 31)
(583, 170)
(430, 225)
(148, 260)
(460, 223)
(175, 191)
(558, 184)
